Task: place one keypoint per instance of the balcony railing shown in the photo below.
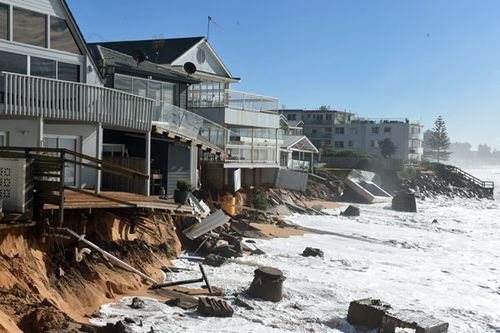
(241, 153)
(188, 124)
(251, 102)
(232, 99)
(29, 96)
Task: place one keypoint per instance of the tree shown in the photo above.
(324, 108)
(437, 142)
(387, 148)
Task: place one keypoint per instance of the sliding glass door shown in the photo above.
(66, 142)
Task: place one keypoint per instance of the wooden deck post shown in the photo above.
(61, 190)
(98, 156)
(148, 162)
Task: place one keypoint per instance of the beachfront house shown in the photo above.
(179, 137)
(297, 151)
(52, 94)
(253, 141)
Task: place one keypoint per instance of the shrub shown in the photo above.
(184, 185)
(408, 172)
(343, 153)
(260, 202)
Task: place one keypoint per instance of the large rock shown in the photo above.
(312, 252)
(214, 260)
(404, 202)
(351, 211)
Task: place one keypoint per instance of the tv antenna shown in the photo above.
(211, 20)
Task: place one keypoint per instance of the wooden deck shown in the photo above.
(76, 200)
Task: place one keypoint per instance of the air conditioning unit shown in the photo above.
(16, 185)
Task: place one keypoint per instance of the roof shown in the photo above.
(299, 143)
(126, 64)
(161, 51)
(313, 110)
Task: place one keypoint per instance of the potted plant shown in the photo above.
(184, 187)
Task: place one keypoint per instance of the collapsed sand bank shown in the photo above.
(43, 287)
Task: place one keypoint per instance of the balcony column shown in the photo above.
(277, 147)
(98, 155)
(40, 132)
(148, 163)
(311, 164)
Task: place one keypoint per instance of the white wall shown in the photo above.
(251, 119)
(20, 133)
(211, 65)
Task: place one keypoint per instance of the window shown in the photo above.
(328, 142)
(387, 130)
(43, 67)
(339, 144)
(3, 139)
(169, 93)
(4, 21)
(314, 131)
(68, 72)
(291, 117)
(30, 27)
(328, 130)
(375, 130)
(14, 63)
(328, 117)
(373, 144)
(339, 130)
(350, 143)
(320, 117)
(353, 131)
(61, 37)
(123, 83)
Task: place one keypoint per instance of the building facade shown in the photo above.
(330, 129)
(252, 139)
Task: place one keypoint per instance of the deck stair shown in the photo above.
(486, 185)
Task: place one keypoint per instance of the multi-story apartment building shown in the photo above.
(344, 131)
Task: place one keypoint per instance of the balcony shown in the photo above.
(179, 121)
(28, 96)
(235, 108)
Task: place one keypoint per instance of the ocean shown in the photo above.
(443, 261)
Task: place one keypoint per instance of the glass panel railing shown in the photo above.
(188, 124)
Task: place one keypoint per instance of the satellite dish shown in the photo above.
(189, 67)
(139, 56)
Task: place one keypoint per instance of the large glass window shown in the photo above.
(154, 90)
(61, 37)
(123, 83)
(169, 93)
(140, 87)
(4, 21)
(68, 72)
(13, 62)
(30, 27)
(43, 67)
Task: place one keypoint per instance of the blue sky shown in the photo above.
(414, 58)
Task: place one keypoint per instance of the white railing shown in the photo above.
(298, 165)
(178, 120)
(29, 96)
(250, 102)
(239, 153)
(232, 99)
